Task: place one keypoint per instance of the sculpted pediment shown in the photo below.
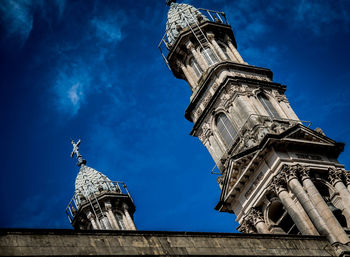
(304, 134)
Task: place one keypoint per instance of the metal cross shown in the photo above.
(75, 148)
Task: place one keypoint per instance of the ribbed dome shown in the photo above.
(181, 16)
(89, 181)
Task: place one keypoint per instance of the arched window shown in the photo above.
(195, 66)
(226, 129)
(120, 221)
(268, 105)
(209, 56)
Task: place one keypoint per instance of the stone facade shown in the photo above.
(277, 175)
(153, 243)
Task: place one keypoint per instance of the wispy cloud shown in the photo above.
(108, 29)
(71, 86)
(318, 15)
(85, 62)
(17, 16)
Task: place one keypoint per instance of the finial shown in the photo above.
(168, 2)
(75, 151)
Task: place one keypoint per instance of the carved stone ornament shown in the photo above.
(290, 172)
(347, 177)
(280, 97)
(206, 133)
(335, 175)
(278, 184)
(255, 216)
(247, 225)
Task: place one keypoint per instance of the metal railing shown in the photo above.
(78, 199)
(214, 16)
(245, 127)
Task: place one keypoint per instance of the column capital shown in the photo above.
(290, 172)
(347, 177)
(90, 215)
(125, 207)
(246, 226)
(255, 216)
(189, 45)
(210, 35)
(335, 175)
(180, 64)
(108, 206)
(278, 184)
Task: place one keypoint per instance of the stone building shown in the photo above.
(280, 178)
(98, 202)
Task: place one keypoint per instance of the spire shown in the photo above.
(75, 151)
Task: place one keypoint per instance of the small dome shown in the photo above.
(89, 181)
(181, 16)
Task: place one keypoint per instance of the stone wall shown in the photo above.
(50, 242)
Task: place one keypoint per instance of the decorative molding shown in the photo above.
(335, 175)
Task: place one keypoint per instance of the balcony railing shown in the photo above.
(213, 16)
(79, 199)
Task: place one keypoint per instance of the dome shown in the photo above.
(89, 181)
(179, 17)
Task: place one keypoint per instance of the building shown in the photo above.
(280, 178)
(99, 203)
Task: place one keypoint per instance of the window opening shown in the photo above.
(268, 106)
(120, 221)
(226, 129)
(195, 66)
(209, 56)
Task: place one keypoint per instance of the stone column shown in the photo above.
(257, 220)
(91, 218)
(130, 223)
(197, 56)
(299, 216)
(111, 217)
(347, 179)
(335, 177)
(217, 48)
(335, 229)
(187, 75)
(307, 204)
(235, 52)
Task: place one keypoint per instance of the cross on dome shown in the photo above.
(75, 151)
(168, 2)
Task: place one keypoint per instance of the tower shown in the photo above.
(98, 202)
(277, 175)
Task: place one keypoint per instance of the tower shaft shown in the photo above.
(277, 175)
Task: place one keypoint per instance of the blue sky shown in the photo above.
(91, 70)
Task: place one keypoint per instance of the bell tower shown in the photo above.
(277, 175)
(99, 203)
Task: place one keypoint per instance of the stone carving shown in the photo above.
(206, 133)
(280, 97)
(255, 216)
(335, 175)
(278, 184)
(247, 225)
(347, 177)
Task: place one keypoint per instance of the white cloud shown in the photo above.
(71, 86)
